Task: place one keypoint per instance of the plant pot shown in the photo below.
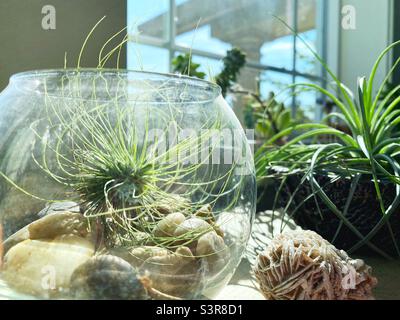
(363, 212)
(159, 209)
(266, 195)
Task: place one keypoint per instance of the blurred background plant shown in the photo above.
(233, 62)
(267, 116)
(183, 64)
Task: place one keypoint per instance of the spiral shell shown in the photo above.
(106, 277)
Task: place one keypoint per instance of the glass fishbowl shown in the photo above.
(119, 184)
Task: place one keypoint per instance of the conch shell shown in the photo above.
(301, 265)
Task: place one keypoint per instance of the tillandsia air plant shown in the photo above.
(348, 189)
(155, 196)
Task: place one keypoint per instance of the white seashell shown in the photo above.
(139, 255)
(167, 226)
(212, 248)
(195, 225)
(49, 227)
(178, 274)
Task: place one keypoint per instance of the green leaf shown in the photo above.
(284, 119)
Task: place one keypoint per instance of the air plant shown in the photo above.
(103, 154)
(119, 176)
(371, 150)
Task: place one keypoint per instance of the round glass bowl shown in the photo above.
(120, 185)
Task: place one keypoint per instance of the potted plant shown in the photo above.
(346, 187)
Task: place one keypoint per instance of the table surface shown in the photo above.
(243, 285)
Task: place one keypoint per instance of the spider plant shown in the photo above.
(371, 151)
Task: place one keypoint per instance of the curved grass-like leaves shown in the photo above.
(371, 148)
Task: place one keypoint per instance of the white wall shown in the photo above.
(351, 53)
(26, 46)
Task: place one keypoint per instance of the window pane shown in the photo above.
(211, 67)
(216, 26)
(149, 18)
(307, 100)
(307, 28)
(278, 53)
(276, 82)
(147, 58)
(265, 82)
(249, 78)
(202, 39)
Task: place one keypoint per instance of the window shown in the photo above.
(161, 29)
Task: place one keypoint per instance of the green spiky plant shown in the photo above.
(120, 178)
(328, 175)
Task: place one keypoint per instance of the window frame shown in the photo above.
(170, 44)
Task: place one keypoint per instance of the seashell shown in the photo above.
(206, 213)
(137, 256)
(106, 277)
(177, 274)
(301, 265)
(135, 238)
(167, 226)
(50, 227)
(192, 225)
(173, 203)
(212, 248)
(141, 254)
(218, 230)
(44, 267)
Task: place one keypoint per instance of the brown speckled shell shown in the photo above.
(107, 277)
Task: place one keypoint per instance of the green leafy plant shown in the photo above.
(269, 117)
(183, 64)
(234, 61)
(370, 150)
